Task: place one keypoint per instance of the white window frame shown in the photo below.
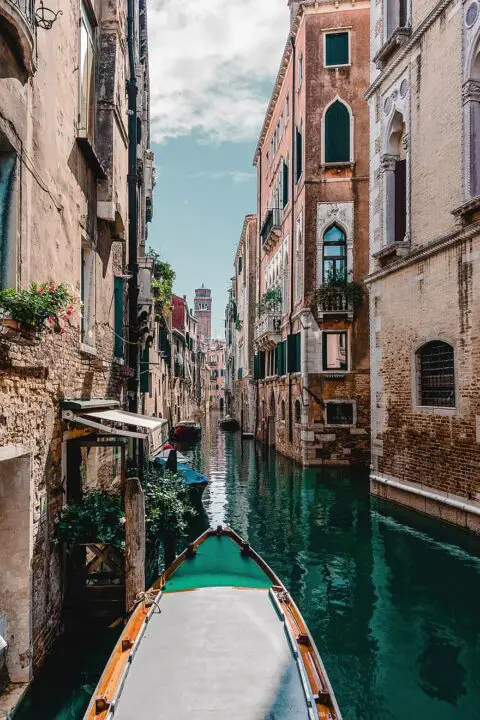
(300, 70)
(352, 134)
(86, 23)
(87, 332)
(337, 31)
(337, 371)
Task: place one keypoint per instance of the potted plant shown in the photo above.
(338, 291)
(40, 307)
(271, 301)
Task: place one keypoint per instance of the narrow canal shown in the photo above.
(391, 597)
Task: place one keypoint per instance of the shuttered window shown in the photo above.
(298, 154)
(7, 183)
(118, 313)
(144, 374)
(282, 358)
(337, 133)
(284, 184)
(336, 49)
(400, 200)
(293, 353)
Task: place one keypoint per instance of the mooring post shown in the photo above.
(134, 540)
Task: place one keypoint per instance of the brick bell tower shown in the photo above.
(203, 312)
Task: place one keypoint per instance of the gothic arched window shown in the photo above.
(334, 255)
(337, 133)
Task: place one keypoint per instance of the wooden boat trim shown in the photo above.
(312, 671)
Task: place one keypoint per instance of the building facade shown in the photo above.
(63, 220)
(202, 306)
(311, 335)
(425, 256)
(186, 354)
(243, 325)
(216, 363)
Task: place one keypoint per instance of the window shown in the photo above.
(334, 351)
(284, 183)
(287, 108)
(118, 316)
(396, 15)
(395, 181)
(298, 412)
(8, 161)
(300, 70)
(298, 153)
(293, 353)
(282, 410)
(240, 265)
(337, 133)
(299, 260)
(268, 161)
(436, 375)
(334, 255)
(339, 413)
(86, 105)
(87, 295)
(336, 49)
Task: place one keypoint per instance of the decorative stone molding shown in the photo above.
(387, 163)
(471, 91)
(396, 40)
(329, 213)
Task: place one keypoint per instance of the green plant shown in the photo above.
(97, 517)
(338, 281)
(271, 301)
(163, 278)
(167, 504)
(40, 306)
(238, 324)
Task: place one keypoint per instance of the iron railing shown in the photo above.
(268, 323)
(334, 300)
(271, 222)
(26, 8)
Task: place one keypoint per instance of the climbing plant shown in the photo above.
(163, 278)
(96, 517)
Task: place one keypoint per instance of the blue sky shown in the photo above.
(212, 68)
(203, 192)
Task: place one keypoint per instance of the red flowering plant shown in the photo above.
(41, 306)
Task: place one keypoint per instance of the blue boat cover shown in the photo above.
(190, 476)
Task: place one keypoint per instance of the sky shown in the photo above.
(212, 68)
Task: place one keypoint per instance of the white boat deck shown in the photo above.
(216, 653)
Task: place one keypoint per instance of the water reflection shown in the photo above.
(391, 597)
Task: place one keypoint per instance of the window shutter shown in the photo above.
(336, 49)
(285, 183)
(298, 154)
(291, 353)
(337, 133)
(298, 339)
(261, 365)
(400, 200)
(144, 371)
(118, 316)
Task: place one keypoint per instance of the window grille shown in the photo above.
(339, 413)
(436, 375)
(298, 412)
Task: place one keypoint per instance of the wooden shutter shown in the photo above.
(298, 154)
(400, 200)
(337, 133)
(336, 49)
(118, 316)
(144, 371)
(261, 365)
(285, 183)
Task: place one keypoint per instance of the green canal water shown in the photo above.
(392, 598)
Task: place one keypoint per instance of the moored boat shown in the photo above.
(194, 481)
(217, 636)
(229, 423)
(187, 430)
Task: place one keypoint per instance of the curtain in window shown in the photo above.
(7, 180)
(337, 133)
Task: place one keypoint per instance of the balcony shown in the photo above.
(395, 41)
(334, 302)
(271, 227)
(268, 331)
(20, 18)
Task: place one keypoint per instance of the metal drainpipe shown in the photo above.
(132, 179)
(292, 245)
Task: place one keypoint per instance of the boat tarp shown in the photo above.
(190, 476)
(212, 654)
(218, 563)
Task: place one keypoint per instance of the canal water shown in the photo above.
(391, 597)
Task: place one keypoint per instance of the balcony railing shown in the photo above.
(271, 225)
(26, 8)
(268, 330)
(20, 15)
(334, 301)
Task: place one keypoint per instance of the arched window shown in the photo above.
(298, 412)
(395, 179)
(299, 259)
(337, 133)
(436, 374)
(471, 109)
(282, 410)
(334, 255)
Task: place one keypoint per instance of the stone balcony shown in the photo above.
(334, 303)
(19, 16)
(268, 331)
(271, 228)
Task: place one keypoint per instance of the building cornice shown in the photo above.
(415, 38)
(422, 253)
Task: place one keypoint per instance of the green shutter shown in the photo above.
(337, 133)
(294, 353)
(298, 350)
(255, 367)
(261, 365)
(284, 183)
(298, 154)
(144, 367)
(118, 316)
(336, 49)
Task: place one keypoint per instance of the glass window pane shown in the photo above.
(336, 49)
(335, 355)
(86, 77)
(334, 234)
(334, 250)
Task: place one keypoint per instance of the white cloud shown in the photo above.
(237, 176)
(210, 64)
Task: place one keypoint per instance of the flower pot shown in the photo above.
(17, 332)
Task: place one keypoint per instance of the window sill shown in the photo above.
(91, 157)
(340, 165)
(432, 410)
(338, 426)
(468, 212)
(398, 38)
(88, 349)
(334, 374)
(334, 67)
